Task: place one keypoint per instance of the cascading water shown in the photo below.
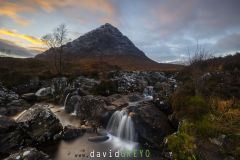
(148, 92)
(74, 113)
(121, 125)
(65, 101)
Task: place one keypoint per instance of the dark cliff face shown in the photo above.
(106, 40)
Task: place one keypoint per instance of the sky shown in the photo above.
(166, 30)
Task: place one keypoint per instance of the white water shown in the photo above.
(65, 101)
(121, 126)
(148, 93)
(44, 92)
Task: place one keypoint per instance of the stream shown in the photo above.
(81, 148)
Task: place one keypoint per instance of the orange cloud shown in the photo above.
(37, 49)
(31, 39)
(103, 6)
(12, 10)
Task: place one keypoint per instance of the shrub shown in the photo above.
(182, 144)
(196, 107)
(205, 127)
(190, 107)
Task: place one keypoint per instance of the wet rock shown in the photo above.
(59, 85)
(135, 97)
(31, 87)
(151, 124)
(90, 107)
(6, 124)
(28, 154)
(98, 138)
(44, 92)
(39, 123)
(71, 132)
(109, 99)
(29, 97)
(72, 103)
(10, 102)
(163, 105)
(10, 135)
(86, 84)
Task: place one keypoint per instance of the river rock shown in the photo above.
(91, 107)
(151, 124)
(59, 85)
(29, 97)
(10, 102)
(98, 138)
(44, 92)
(86, 84)
(30, 87)
(10, 135)
(39, 123)
(28, 154)
(72, 103)
(71, 132)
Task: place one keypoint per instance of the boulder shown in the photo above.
(98, 138)
(91, 107)
(86, 84)
(164, 106)
(28, 154)
(16, 106)
(71, 132)
(135, 97)
(151, 124)
(29, 97)
(59, 85)
(10, 135)
(44, 93)
(10, 102)
(31, 87)
(39, 123)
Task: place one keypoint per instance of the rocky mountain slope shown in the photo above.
(106, 44)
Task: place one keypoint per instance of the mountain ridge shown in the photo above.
(105, 43)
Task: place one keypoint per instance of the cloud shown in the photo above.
(12, 10)
(229, 43)
(103, 6)
(37, 50)
(8, 48)
(14, 34)
(157, 25)
(163, 29)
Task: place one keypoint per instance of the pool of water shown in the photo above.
(81, 148)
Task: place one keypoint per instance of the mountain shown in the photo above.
(106, 44)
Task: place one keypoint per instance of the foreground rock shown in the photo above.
(151, 124)
(28, 154)
(10, 102)
(11, 136)
(91, 107)
(98, 138)
(39, 123)
(71, 132)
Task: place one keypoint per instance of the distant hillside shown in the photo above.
(107, 44)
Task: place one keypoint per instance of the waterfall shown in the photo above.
(148, 92)
(74, 113)
(65, 101)
(121, 125)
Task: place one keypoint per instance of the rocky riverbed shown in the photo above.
(65, 118)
